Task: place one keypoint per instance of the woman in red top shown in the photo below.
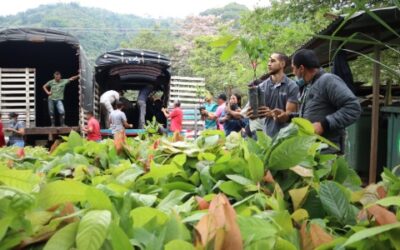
(93, 128)
(176, 117)
(2, 140)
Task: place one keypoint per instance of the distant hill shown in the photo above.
(230, 11)
(98, 30)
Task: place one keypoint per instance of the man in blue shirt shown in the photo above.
(279, 91)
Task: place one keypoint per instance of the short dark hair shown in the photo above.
(283, 58)
(177, 103)
(89, 113)
(119, 105)
(307, 58)
(57, 72)
(222, 96)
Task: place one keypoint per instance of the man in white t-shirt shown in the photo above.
(106, 101)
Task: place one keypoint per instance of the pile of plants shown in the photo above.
(215, 192)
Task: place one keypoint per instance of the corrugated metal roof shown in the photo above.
(362, 24)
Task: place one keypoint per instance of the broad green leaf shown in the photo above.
(254, 229)
(229, 50)
(93, 230)
(290, 152)
(118, 238)
(24, 180)
(263, 139)
(298, 195)
(179, 160)
(232, 189)
(173, 198)
(370, 232)
(211, 141)
(146, 200)
(256, 168)
(304, 125)
(183, 186)
(207, 156)
(59, 192)
(63, 239)
(389, 201)
(299, 215)
(240, 179)
(143, 215)
(179, 244)
(222, 41)
(175, 229)
(313, 205)
(336, 203)
(158, 172)
(282, 244)
(333, 244)
(74, 140)
(5, 222)
(129, 176)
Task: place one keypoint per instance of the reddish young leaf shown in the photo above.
(219, 226)
(21, 153)
(202, 204)
(382, 215)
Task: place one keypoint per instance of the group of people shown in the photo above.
(322, 98)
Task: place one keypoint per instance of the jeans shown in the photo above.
(142, 108)
(17, 143)
(105, 111)
(60, 107)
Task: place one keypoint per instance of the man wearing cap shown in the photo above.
(56, 96)
(326, 101)
(17, 129)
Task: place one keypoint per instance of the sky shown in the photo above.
(144, 8)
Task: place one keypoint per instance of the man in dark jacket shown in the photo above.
(326, 100)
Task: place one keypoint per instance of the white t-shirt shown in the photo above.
(109, 96)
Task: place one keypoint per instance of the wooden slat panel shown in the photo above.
(183, 94)
(200, 84)
(12, 98)
(16, 69)
(187, 78)
(16, 75)
(15, 92)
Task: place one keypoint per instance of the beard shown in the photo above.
(273, 71)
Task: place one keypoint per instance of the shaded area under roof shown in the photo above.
(362, 23)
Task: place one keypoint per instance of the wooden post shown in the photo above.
(375, 117)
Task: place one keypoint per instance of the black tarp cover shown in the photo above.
(133, 68)
(37, 35)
